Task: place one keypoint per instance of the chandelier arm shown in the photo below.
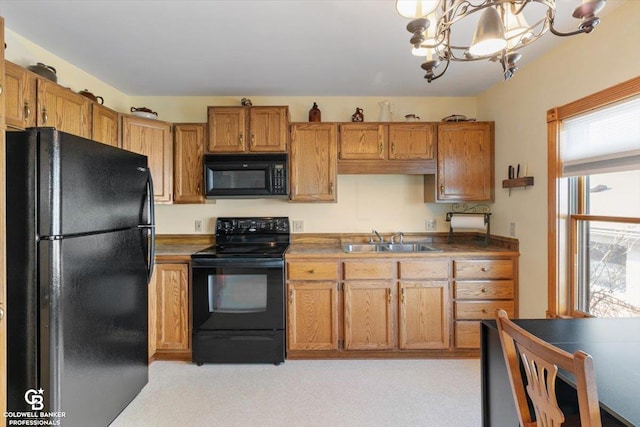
(442, 73)
(572, 33)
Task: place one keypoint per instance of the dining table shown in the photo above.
(614, 345)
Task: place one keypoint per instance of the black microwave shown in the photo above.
(245, 175)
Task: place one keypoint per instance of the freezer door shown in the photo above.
(85, 186)
(93, 323)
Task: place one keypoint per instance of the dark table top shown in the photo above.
(614, 345)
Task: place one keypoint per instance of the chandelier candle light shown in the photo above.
(500, 32)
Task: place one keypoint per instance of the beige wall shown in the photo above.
(581, 65)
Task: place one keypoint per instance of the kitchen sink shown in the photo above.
(389, 247)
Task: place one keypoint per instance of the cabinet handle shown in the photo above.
(45, 116)
(441, 188)
(331, 187)
(1, 314)
(393, 147)
(402, 295)
(290, 296)
(1, 89)
(380, 147)
(253, 139)
(27, 111)
(389, 295)
(241, 139)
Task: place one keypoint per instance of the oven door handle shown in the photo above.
(243, 263)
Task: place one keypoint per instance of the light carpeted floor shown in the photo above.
(310, 393)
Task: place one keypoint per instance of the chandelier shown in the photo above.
(501, 29)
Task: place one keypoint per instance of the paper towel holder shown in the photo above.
(487, 222)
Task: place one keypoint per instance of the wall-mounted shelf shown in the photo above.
(525, 181)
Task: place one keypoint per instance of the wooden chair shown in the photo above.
(541, 361)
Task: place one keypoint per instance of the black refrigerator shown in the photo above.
(80, 238)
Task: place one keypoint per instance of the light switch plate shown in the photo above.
(431, 224)
(198, 225)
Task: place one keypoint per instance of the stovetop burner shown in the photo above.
(249, 237)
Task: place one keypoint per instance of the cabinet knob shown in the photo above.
(253, 139)
(1, 313)
(312, 271)
(1, 89)
(331, 188)
(380, 147)
(484, 290)
(241, 138)
(393, 147)
(484, 269)
(485, 311)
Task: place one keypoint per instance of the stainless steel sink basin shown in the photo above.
(361, 248)
(388, 247)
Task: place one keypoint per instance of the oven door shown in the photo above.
(238, 294)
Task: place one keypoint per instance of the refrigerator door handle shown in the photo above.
(151, 225)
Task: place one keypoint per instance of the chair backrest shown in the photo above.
(541, 361)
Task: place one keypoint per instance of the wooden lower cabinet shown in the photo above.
(482, 286)
(375, 305)
(312, 305)
(169, 331)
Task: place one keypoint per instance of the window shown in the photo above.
(594, 199)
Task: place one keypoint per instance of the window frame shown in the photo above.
(559, 275)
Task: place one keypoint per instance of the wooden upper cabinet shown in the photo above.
(247, 129)
(412, 141)
(188, 148)
(313, 162)
(362, 141)
(227, 127)
(465, 170)
(152, 138)
(63, 109)
(104, 125)
(268, 129)
(20, 97)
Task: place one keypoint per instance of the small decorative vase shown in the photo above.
(385, 111)
(358, 116)
(315, 113)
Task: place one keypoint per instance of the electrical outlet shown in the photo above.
(512, 229)
(298, 226)
(198, 225)
(431, 224)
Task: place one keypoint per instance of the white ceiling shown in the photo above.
(252, 47)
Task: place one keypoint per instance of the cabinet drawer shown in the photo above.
(424, 269)
(374, 269)
(312, 270)
(484, 289)
(467, 334)
(483, 269)
(477, 310)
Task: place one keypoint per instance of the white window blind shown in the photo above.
(603, 140)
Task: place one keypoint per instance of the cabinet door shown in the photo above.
(312, 317)
(152, 138)
(369, 315)
(425, 315)
(171, 287)
(188, 146)
(65, 110)
(17, 108)
(104, 125)
(313, 163)
(362, 141)
(268, 129)
(465, 162)
(226, 129)
(411, 141)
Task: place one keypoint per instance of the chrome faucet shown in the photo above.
(401, 234)
(378, 236)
